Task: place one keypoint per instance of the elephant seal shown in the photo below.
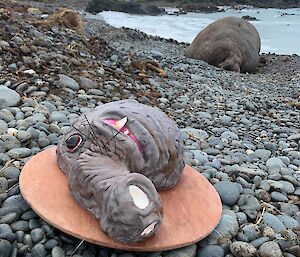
(116, 157)
(230, 43)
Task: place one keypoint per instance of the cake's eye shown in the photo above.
(73, 142)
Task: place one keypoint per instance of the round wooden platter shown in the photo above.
(192, 209)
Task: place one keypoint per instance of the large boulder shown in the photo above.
(230, 43)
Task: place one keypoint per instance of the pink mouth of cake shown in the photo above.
(123, 130)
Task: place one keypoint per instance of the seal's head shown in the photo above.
(115, 158)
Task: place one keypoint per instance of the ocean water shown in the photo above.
(279, 32)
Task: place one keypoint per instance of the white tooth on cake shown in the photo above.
(121, 123)
(149, 229)
(139, 198)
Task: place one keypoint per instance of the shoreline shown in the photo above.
(241, 131)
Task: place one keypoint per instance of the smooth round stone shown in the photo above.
(249, 232)
(4, 229)
(5, 248)
(58, 117)
(289, 209)
(196, 133)
(226, 120)
(37, 117)
(200, 156)
(285, 160)
(37, 235)
(265, 185)
(33, 224)
(67, 82)
(28, 215)
(227, 228)
(229, 135)
(3, 127)
(20, 225)
(27, 240)
(241, 217)
(278, 197)
(43, 142)
(18, 153)
(9, 218)
(188, 251)
(259, 241)
(263, 154)
(249, 204)
(10, 142)
(50, 244)
(242, 249)
(20, 235)
(289, 222)
(38, 251)
(282, 186)
(17, 202)
(11, 172)
(3, 185)
(274, 161)
(23, 136)
(11, 97)
(274, 222)
(229, 192)
(11, 237)
(50, 106)
(6, 115)
(57, 252)
(211, 251)
(270, 249)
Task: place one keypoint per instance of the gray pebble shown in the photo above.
(4, 229)
(289, 209)
(272, 221)
(249, 204)
(270, 249)
(67, 82)
(18, 153)
(229, 192)
(23, 136)
(57, 252)
(211, 251)
(278, 197)
(289, 222)
(274, 162)
(156, 54)
(188, 251)
(38, 251)
(242, 249)
(227, 228)
(50, 244)
(3, 126)
(249, 232)
(20, 225)
(259, 241)
(37, 235)
(11, 97)
(3, 185)
(58, 116)
(5, 248)
(16, 201)
(9, 218)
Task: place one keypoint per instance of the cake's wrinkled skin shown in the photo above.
(116, 157)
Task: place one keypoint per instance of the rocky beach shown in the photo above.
(241, 131)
